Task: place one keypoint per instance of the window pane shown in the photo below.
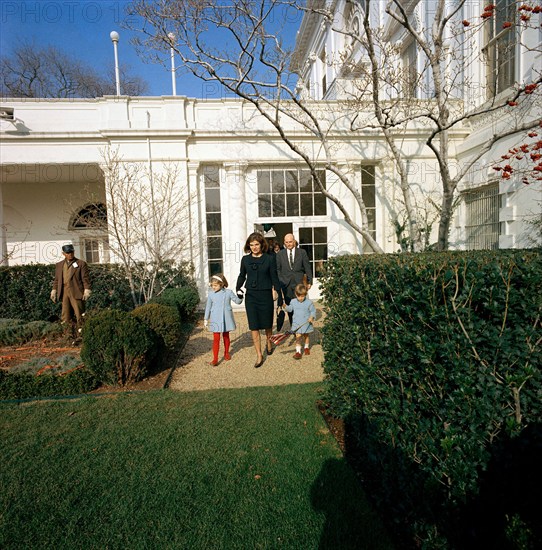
(212, 200)
(319, 205)
(264, 205)
(278, 205)
(214, 268)
(320, 252)
(211, 175)
(264, 183)
(277, 178)
(322, 178)
(306, 204)
(320, 235)
(305, 181)
(214, 248)
(292, 183)
(292, 204)
(305, 235)
(371, 217)
(308, 249)
(368, 195)
(213, 224)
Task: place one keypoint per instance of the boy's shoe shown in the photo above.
(297, 355)
(227, 357)
(307, 351)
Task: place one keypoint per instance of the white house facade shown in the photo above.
(236, 175)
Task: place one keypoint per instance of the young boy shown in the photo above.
(304, 316)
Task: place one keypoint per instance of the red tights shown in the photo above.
(216, 345)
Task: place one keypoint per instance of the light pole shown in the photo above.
(171, 37)
(115, 39)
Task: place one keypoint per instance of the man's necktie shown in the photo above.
(291, 260)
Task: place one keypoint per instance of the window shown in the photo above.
(211, 180)
(91, 221)
(500, 48)
(368, 194)
(482, 211)
(96, 251)
(314, 241)
(409, 60)
(290, 192)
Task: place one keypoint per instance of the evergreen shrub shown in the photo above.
(26, 385)
(163, 320)
(186, 299)
(431, 359)
(117, 347)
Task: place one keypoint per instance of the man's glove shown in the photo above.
(86, 294)
(53, 295)
(205, 323)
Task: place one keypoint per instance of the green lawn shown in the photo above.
(249, 468)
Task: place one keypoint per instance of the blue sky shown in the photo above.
(82, 28)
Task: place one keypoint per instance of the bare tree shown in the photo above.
(240, 44)
(147, 213)
(31, 71)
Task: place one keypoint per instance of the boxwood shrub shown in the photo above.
(186, 299)
(163, 320)
(432, 359)
(16, 331)
(117, 347)
(26, 385)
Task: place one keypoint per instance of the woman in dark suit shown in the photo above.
(259, 275)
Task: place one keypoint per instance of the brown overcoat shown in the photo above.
(78, 279)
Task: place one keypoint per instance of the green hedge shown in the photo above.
(163, 320)
(185, 299)
(27, 290)
(432, 359)
(117, 347)
(25, 385)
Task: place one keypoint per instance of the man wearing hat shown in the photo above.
(72, 285)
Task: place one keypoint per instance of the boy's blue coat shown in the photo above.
(302, 311)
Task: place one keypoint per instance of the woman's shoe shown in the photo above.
(270, 351)
(258, 363)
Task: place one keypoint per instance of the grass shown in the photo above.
(252, 468)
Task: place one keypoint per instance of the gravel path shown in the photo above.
(194, 372)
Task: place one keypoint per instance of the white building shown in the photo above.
(235, 172)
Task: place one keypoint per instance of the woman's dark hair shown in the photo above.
(256, 237)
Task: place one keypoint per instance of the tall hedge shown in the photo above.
(432, 359)
(27, 289)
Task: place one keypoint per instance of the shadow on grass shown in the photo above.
(350, 522)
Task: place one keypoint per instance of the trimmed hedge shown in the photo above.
(163, 320)
(25, 385)
(432, 359)
(185, 299)
(117, 347)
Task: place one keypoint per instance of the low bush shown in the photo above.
(163, 320)
(25, 385)
(17, 331)
(186, 299)
(117, 347)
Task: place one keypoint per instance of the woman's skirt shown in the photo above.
(260, 308)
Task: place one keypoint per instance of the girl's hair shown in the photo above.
(220, 279)
(300, 290)
(256, 237)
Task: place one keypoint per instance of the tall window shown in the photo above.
(368, 194)
(482, 210)
(290, 192)
(500, 48)
(211, 179)
(410, 70)
(314, 241)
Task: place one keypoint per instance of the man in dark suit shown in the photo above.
(292, 266)
(71, 285)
